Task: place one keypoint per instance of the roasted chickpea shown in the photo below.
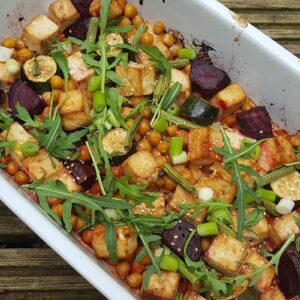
(71, 85)
(84, 154)
(137, 100)
(137, 267)
(9, 43)
(56, 82)
(20, 44)
(137, 21)
(87, 236)
(295, 140)
(12, 168)
(25, 54)
(188, 175)
(163, 147)
(161, 161)
(168, 39)
(58, 209)
(172, 130)
(125, 22)
(53, 201)
(169, 184)
(134, 280)
(143, 145)
(123, 269)
(158, 27)
(130, 34)
(175, 49)
(147, 112)
(80, 223)
(147, 38)
(156, 153)
(144, 127)
(74, 222)
(154, 137)
(130, 11)
(95, 189)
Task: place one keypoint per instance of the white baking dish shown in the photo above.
(269, 74)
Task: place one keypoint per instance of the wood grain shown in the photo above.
(262, 4)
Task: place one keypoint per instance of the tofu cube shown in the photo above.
(6, 78)
(67, 179)
(163, 286)
(182, 77)
(157, 210)
(236, 138)
(265, 282)
(191, 295)
(42, 165)
(283, 227)
(141, 167)
(181, 196)
(255, 233)
(126, 242)
(226, 253)
(273, 294)
(63, 13)
(79, 71)
(38, 32)
(229, 99)
(138, 80)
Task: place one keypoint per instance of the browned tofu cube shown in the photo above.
(63, 13)
(283, 227)
(191, 295)
(67, 179)
(254, 259)
(182, 77)
(181, 196)
(138, 80)
(229, 99)
(163, 286)
(141, 167)
(38, 32)
(157, 210)
(226, 253)
(41, 165)
(273, 294)
(126, 242)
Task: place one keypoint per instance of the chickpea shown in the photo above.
(172, 130)
(188, 175)
(144, 127)
(20, 44)
(80, 223)
(158, 27)
(168, 39)
(156, 153)
(175, 49)
(84, 154)
(137, 100)
(125, 22)
(21, 178)
(144, 145)
(147, 38)
(58, 209)
(295, 140)
(130, 11)
(134, 280)
(130, 34)
(56, 82)
(137, 21)
(9, 43)
(163, 147)
(95, 189)
(87, 236)
(12, 168)
(53, 201)
(123, 269)
(147, 112)
(169, 184)
(154, 137)
(74, 222)
(137, 267)
(71, 85)
(25, 54)
(137, 137)
(161, 161)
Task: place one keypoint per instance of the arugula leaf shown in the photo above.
(134, 192)
(7, 147)
(298, 244)
(62, 62)
(119, 29)
(5, 120)
(171, 95)
(113, 96)
(104, 14)
(114, 77)
(111, 240)
(255, 216)
(137, 37)
(86, 45)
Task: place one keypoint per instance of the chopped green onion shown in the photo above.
(179, 63)
(266, 194)
(99, 101)
(112, 119)
(12, 66)
(176, 146)
(270, 208)
(131, 132)
(173, 110)
(169, 263)
(94, 83)
(253, 154)
(222, 214)
(248, 198)
(285, 206)
(92, 30)
(187, 53)
(207, 229)
(182, 158)
(30, 148)
(160, 125)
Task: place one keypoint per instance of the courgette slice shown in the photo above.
(38, 71)
(199, 111)
(114, 142)
(288, 186)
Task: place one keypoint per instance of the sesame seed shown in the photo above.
(172, 244)
(179, 250)
(175, 236)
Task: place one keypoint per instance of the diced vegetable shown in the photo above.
(206, 194)
(199, 111)
(169, 263)
(179, 159)
(30, 148)
(187, 53)
(94, 83)
(173, 110)
(176, 146)
(285, 206)
(160, 125)
(13, 66)
(83, 7)
(221, 214)
(253, 154)
(266, 194)
(99, 101)
(207, 229)
(5, 53)
(255, 123)
(78, 29)
(207, 78)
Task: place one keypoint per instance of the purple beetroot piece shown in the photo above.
(78, 29)
(83, 173)
(208, 79)
(255, 123)
(26, 97)
(82, 7)
(176, 237)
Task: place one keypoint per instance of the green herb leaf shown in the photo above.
(255, 216)
(171, 95)
(5, 120)
(62, 62)
(67, 215)
(111, 240)
(137, 37)
(113, 96)
(104, 14)
(114, 77)
(298, 244)
(23, 115)
(119, 29)
(297, 221)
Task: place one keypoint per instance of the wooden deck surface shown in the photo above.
(29, 269)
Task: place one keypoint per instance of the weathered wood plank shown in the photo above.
(262, 4)
(4, 210)
(272, 18)
(282, 33)
(294, 48)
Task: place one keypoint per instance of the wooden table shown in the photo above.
(29, 269)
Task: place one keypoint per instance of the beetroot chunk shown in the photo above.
(83, 172)
(207, 78)
(28, 98)
(289, 272)
(82, 7)
(78, 29)
(255, 123)
(176, 237)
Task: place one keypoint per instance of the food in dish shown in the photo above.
(150, 154)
